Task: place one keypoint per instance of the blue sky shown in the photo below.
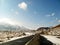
(31, 13)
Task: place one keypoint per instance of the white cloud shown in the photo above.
(56, 18)
(22, 5)
(15, 12)
(51, 15)
(10, 21)
(59, 21)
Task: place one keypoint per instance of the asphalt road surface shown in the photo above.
(20, 41)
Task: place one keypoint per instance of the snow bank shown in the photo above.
(53, 39)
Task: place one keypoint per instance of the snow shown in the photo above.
(53, 39)
(29, 33)
(15, 38)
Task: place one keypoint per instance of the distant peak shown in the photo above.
(9, 21)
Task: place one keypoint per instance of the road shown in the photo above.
(20, 41)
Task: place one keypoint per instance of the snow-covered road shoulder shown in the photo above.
(53, 39)
(15, 38)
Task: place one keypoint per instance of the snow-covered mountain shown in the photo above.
(7, 24)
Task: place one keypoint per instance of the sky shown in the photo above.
(30, 13)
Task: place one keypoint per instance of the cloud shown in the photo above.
(14, 12)
(59, 21)
(56, 18)
(51, 15)
(10, 21)
(22, 5)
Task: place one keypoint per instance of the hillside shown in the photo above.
(57, 26)
(55, 30)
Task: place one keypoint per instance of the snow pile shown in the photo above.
(53, 39)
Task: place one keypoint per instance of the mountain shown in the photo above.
(55, 30)
(43, 28)
(7, 24)
(8, 27)
(56, 27)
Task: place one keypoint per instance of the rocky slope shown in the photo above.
(55, 30)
